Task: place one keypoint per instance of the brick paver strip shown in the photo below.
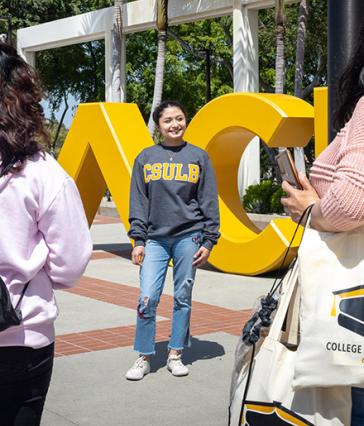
(112, 254)
(105, 220)
(96, 255)
(206, 319)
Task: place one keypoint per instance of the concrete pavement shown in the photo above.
(94, 344)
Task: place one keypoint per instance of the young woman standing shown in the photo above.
(173, 215)
(336, 189)
(44, 241)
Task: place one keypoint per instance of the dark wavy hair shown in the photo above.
(22, 130)
(157, 113)
(351, 85)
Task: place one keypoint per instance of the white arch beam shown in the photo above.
(138, 16)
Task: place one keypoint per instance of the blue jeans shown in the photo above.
(152, 276)
(357, 412)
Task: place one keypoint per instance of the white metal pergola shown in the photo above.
(140, 16)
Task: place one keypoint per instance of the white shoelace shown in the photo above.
(177, 361)
(139, 363)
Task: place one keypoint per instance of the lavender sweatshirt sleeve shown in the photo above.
(65, 231)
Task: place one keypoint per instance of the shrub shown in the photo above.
(263, 198)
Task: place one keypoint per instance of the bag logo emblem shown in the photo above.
(274, 414)
(351, 308)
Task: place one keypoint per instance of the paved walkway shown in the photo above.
(95, 335)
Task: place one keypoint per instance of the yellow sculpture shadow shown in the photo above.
(105, 138)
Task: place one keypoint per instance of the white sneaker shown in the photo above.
(140, 368)
(176, 366)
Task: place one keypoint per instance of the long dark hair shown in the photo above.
(351, 85)
(22, 131)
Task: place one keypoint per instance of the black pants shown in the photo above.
(25, 374)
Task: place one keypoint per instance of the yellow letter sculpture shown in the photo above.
(224, 127)
(321, 102)
(105, 138)
(99, 152)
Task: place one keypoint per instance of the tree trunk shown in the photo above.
(159, 78)
(54, 144)
(300, 47)
(280, 66)
(299, 155)
(117, 54)
(162, 26)
(280, 60)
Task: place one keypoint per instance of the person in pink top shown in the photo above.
(44, 240)
(336, 189)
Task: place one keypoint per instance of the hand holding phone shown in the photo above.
(288, 169)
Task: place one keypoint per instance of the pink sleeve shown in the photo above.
(65, 230)
(343, 203)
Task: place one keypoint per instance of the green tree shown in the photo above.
(57, 132)
(60, 80)
(314, 63)
(185, 69)
(84, 82)
(198, 58)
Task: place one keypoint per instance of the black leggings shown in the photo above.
(25, 374)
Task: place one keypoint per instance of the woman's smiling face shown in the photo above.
(172, 125)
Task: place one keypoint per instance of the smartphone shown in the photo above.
(288, 169)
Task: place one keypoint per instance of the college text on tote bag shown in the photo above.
(331, 275)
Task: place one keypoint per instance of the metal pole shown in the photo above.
(10, 41)
(344, 20)
(208, 75)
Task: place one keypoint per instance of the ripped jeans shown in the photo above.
(152, 276)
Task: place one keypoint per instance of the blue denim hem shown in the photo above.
(175, 349)
(188, 345)
(143, 353)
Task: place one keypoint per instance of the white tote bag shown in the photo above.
(331, 275)
(270, 399)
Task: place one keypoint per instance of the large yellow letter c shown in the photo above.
(224, 127)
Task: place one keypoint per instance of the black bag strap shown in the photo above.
(302, 221)
(22, 295)
(262, 317)
(252, 334)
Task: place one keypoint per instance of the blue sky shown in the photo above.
(69, 115)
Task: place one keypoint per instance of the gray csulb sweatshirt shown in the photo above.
(173, 192)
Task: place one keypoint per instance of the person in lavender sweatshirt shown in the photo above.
(337, 176)
(44, 240)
